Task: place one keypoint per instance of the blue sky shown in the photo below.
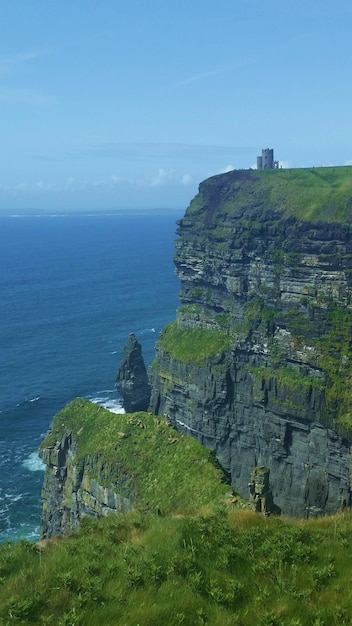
(131, 103)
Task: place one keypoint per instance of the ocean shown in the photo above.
(72, 288)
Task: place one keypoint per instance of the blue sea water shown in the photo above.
(72, 288)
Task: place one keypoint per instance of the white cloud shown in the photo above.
(227, 168)
(186, 180)
(223, 170)
(17, 190)
(161, 178)
(72, 185)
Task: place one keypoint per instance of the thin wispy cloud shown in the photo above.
(12, 62)
(13, 95)
(158, 150)
(19, 57)
(214, 72)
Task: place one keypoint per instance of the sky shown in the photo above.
(130, 104)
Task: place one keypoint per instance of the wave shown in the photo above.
(23, 530)
(14, 497)
(24, 401)
(114, 405)
(33, 463)
(147, 330)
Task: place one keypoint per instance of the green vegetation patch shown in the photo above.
(203, 315)
(288, 377)
(257, 316)
(332, 354)
(219, 569)
(335, 348)
(193, 345)
(162, 469)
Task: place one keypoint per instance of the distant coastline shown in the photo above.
(87, 213)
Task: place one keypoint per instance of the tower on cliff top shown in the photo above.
(266, 161)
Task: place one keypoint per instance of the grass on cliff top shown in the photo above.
(310, 194)
(314, 194)
(162, 469)
(193, 345)
(219, 568)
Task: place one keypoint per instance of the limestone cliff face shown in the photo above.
(74, 488)
(262, 266)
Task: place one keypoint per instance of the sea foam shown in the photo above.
(114, 405)
(33, 463)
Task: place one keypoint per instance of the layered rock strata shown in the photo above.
(265, 264)
(132, 378)
(72, 489)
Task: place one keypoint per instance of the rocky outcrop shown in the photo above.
(260, 496)
(98, 462)
(72, 489)
(132, 378)
(265, 264)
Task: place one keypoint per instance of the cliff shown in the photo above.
(100, 463)
(258, 364)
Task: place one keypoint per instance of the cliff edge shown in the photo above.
(258, 364)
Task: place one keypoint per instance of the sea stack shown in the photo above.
(132, 379)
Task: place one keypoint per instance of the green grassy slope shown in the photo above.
(314, 194)
(220, 569)
(204, 562)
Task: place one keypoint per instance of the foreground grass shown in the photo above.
(201, 561)
(220, 568)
